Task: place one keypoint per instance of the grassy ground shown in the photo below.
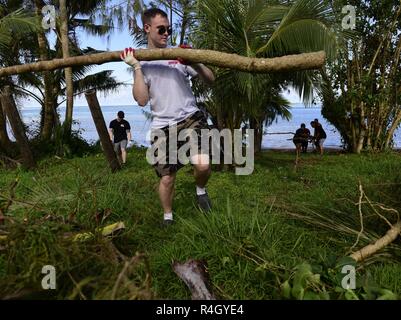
(267, 230)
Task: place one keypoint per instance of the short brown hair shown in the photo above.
(147, 15)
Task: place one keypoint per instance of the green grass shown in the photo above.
(262, 227)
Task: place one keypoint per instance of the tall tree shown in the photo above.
(49, 111)
(361, 89)
(79, 15)
(260, 28)
(16, 24)
(64, 15)
(7, 101)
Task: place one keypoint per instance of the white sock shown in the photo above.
(168, 216)
(200, 191)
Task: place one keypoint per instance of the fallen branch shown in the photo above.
(389, 237)
(304, 61)
(371, 249)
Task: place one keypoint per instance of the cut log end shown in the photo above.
(195, 276)
(371, 249)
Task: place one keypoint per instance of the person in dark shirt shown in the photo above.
(120, 134)
(305, 134)
(300, 139)
(319, 135)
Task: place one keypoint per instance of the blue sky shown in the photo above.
(119, 40)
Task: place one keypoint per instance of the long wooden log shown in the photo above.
(304, 61)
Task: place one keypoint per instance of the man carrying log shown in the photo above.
(166, 85)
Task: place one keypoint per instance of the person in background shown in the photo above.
(305, 135)
(319, 135)
(300, 139)
(120, 134)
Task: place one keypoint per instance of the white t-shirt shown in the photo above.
(170, 93)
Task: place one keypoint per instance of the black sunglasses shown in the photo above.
(163, 29)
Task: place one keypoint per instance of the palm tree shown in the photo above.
(262, 28)
(48, 95)
(31, 45)
(102, 81)
(15, 25)
(49, 113)
(64, 15)
(68, 23)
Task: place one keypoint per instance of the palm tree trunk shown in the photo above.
(68, 70)
(170, 5)
(48, 115)
(183, 29)
(184, 22)
(101, 128)
(17, 126)
(304, 61)
(258, 127)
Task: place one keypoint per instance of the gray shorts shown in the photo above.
(197, 122)
(320, 142)
(120, 145)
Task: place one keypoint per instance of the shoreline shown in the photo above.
(326, 150)
(330, 150)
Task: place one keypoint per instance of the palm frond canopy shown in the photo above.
(258, 28)
(262, 28)
(15, 25)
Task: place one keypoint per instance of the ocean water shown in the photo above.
(140, 125)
